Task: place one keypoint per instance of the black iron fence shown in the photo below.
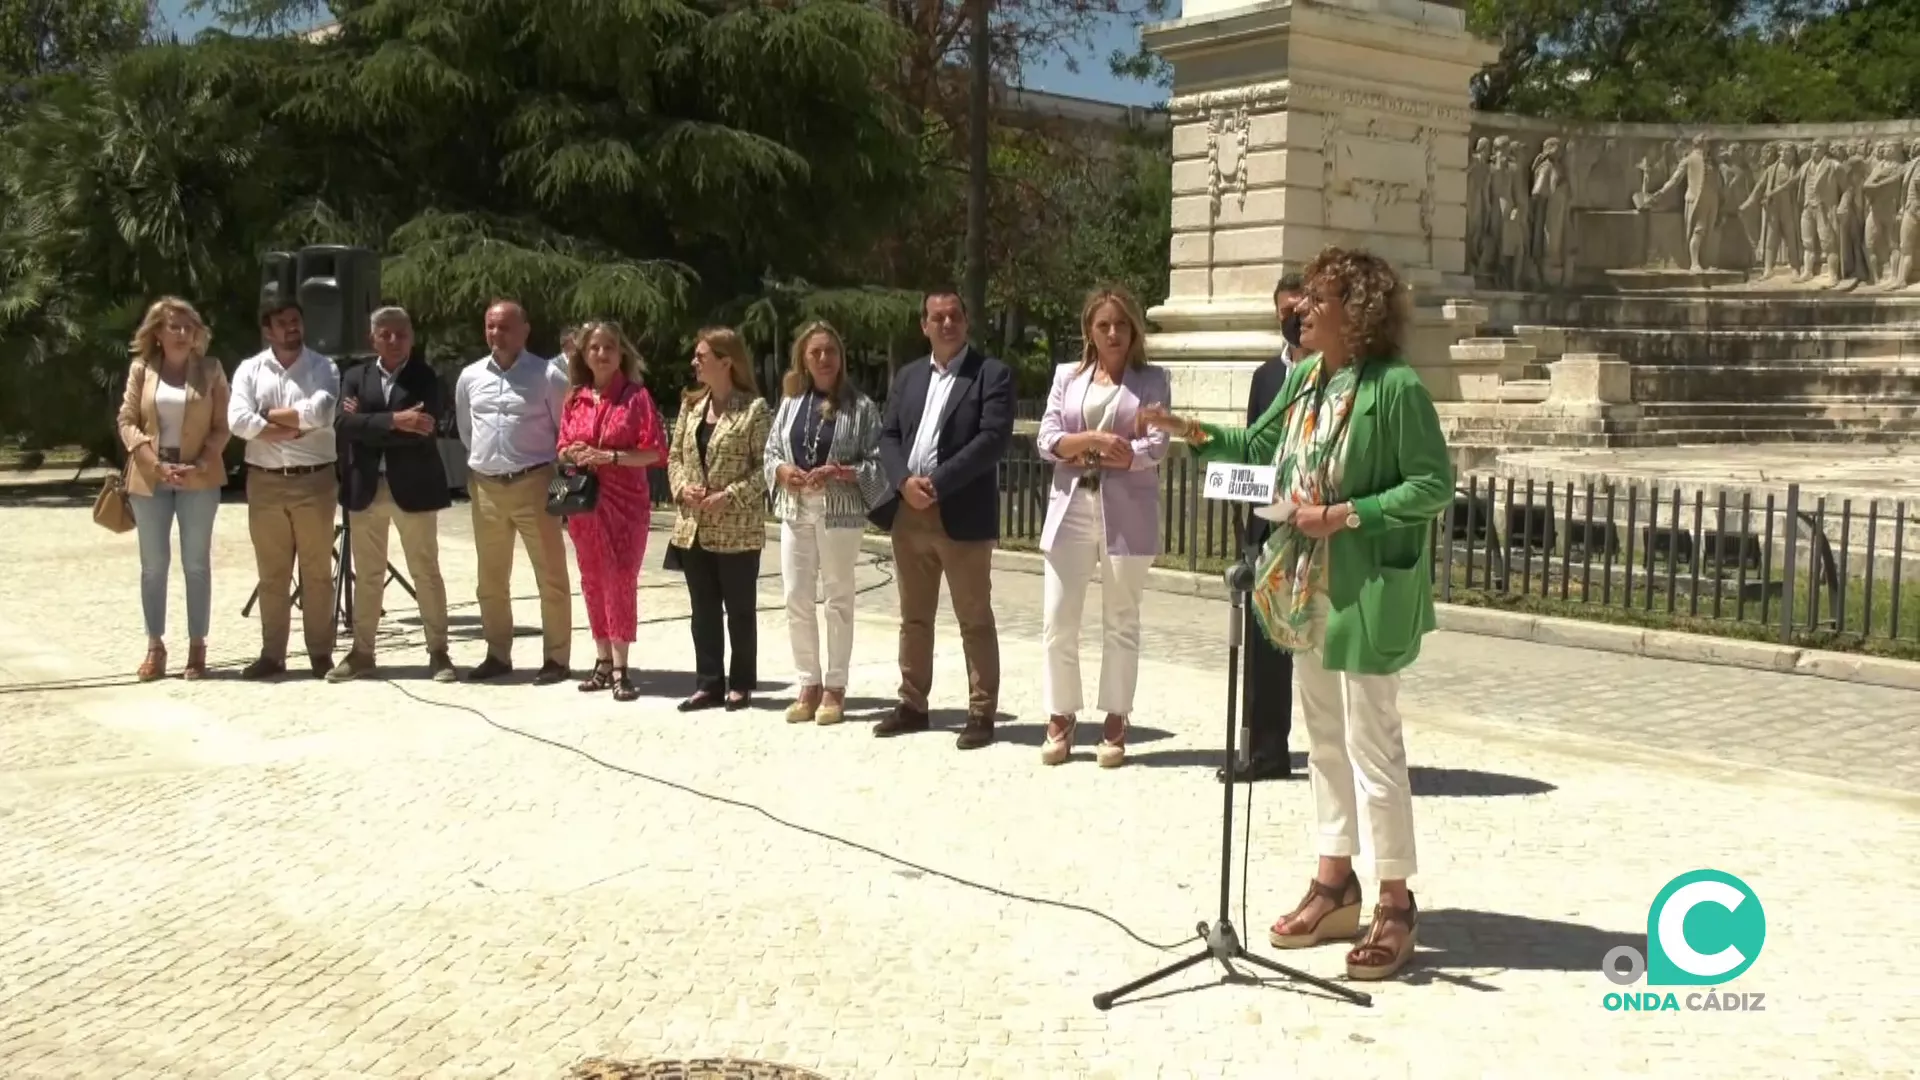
(1793, 565)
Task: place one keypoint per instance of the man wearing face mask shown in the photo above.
(1269, 685)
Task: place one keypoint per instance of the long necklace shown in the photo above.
(819, 420)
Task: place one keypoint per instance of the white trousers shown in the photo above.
(1078, 546)
(1354, 742)
(808, 549)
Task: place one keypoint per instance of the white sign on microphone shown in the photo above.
(1239, 483)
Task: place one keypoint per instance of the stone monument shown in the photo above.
(1575, 284)
(1302, 124)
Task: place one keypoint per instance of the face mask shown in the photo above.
(1290, 329)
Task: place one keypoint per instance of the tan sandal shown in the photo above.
(155, 665)
(1058, 746)
(804, 708)
(833, 708)
(1112, 753)
(1340, 923)
(1377, 958)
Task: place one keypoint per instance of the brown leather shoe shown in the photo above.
(904, 721)
(977, 733)
(155, 665)
(196, 661)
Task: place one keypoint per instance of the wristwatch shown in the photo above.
(1353, 519)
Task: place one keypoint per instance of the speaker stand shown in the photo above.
(1222, 941)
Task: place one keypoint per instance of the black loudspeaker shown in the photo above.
(339, 290)
(279, 276)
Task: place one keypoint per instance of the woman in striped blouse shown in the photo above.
(823, 465)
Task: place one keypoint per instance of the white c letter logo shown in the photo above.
(1673, 921)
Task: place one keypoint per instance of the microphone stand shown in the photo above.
(1222, 942)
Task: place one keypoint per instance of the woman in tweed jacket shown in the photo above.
(823, 465)
(713, 466)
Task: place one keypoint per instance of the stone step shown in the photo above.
(1704, 311)
(1523, 390)
(1848, 380)
(1639, 345)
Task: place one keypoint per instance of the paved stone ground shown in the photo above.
(232, 880)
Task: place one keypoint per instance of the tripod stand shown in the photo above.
(1222, 941)
(342, 578)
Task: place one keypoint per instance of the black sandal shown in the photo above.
(623, 688)
(601, 679)
(699, 701)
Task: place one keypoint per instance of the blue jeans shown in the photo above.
(154, 515)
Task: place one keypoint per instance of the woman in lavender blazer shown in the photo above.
(1104, 510)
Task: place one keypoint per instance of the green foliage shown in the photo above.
(1701, 61)
(47, 37)
(652, 161)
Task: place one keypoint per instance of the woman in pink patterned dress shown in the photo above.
(609, 425)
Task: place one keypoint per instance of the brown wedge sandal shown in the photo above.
(1339, 924)
(155, 665)
(196, 661)
(1388, 944)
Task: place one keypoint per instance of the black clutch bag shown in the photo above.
(574, 491)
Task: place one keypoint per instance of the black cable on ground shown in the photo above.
(784, 823)
(879, 561)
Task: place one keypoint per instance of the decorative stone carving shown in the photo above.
(1230, 127)
(1764, 207)
(1257, 97)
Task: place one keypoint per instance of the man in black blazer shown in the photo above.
(1269, 671)
(391, 411)
(948, 421)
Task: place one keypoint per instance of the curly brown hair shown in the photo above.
(1372, 297)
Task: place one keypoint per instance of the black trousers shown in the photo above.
(724, 590)
(1267, 684)
(1269, 696)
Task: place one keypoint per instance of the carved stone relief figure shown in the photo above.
(1736, 185)
(1847, 216)
(1820, 184)
(1777, 193)
(1550, 209)
(1516, 231)
(1700, 175)
(1479, 190)
(1880, 192)
(1909, 249)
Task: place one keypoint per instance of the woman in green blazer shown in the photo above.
(1362, 470)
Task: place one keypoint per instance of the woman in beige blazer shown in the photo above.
(714, 465)
(173, 421)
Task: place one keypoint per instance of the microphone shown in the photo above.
(1239, 576)
(1239, 581)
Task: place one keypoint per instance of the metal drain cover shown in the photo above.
(698, 1069)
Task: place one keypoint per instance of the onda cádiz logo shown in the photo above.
(1704, 929)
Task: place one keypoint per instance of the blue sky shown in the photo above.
(1092, 81)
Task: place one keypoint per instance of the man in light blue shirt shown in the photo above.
(508, 406)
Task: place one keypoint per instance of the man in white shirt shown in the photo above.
(508, 405)
(283, 404)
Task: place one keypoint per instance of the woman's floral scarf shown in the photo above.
(1293, 566)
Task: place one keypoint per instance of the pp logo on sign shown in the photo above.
(1706, 927)
(1216, 480)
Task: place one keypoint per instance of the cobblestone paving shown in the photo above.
(298, 880)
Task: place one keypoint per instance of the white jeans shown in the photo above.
(1078, 545)
(808, 548)
(1354, 738)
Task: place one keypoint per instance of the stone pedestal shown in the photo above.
(1298, 125)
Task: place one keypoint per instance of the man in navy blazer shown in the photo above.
(948, 421)
(393, 479)
(1269, 671)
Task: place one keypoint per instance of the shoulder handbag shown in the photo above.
(576, 490)
(111, 510)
